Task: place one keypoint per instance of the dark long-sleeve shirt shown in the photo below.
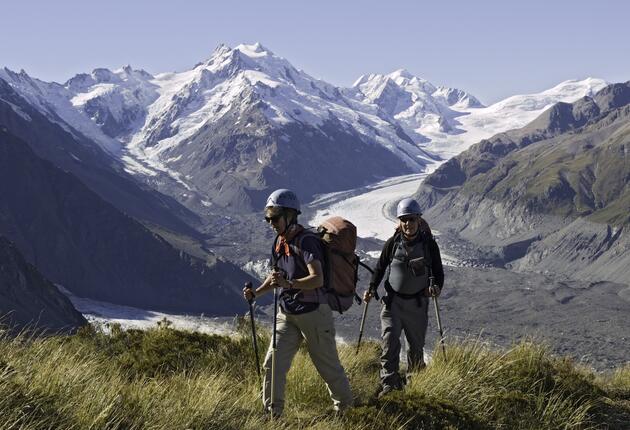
(387, 254)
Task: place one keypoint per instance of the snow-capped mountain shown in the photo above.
(245, 94)
(413, 102)
(245, 120)
(116, 101)
(55, 102)
(446, 121)
(474, 123)
(247, 75)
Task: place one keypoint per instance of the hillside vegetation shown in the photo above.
(168, 379)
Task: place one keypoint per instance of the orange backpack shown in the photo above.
(341, 264)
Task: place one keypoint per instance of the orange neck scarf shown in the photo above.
(290, 233)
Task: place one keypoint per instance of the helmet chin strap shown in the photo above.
(286, 223)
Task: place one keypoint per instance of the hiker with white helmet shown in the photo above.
(408, 259)
(304, 311)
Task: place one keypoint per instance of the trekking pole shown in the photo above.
(249, 286)
(437, 315)
(273, 349)
(365, 308)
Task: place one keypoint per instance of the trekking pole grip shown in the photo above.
(250, 286)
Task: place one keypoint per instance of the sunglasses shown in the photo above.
(274, 218)
(407, 218)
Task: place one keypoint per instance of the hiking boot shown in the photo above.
(268, 416)
(337, 413)
(386, 389)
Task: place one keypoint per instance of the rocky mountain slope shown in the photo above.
(32, 118)
(78, 240)
(27, 299)
(555, 195)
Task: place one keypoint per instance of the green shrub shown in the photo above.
(164, 350)
(413, 411)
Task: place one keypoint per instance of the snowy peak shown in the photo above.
(511, 113)
(254, 51)
(374, 84)
(401, 74)
(226, 62)
(83, 81)
(457, 99)
(53, 101)
(116, 101)
(414, 103)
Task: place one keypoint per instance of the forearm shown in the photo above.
(264, 287)
(310, 282)
(436, 265)
(381, 267)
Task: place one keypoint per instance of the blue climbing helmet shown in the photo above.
(283, 198)
(408, 207)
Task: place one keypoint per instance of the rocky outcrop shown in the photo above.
(587, 250)
(28, 300)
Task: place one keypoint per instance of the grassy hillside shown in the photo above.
(574, 175)
(168, 379)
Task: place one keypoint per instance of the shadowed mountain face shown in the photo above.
(563, 179)
(27, 299)
(69, 150)
(78, 240)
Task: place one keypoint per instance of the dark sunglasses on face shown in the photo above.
(274, 218)
(407, 218)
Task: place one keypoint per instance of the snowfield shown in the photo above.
(103, 314)
(368, 208)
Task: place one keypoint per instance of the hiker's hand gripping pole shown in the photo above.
(366, 299)
(435, 291)
(250, 300)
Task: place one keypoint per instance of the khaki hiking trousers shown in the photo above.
(318, 331)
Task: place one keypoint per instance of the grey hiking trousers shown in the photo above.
(410, 315)
(318, 331)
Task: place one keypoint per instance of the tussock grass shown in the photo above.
(168, 379)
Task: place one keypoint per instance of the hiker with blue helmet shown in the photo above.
(408, 259)
(304, 312)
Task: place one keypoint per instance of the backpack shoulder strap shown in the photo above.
(395, 244)
(296, 246)
(274, 256)
(427, 254)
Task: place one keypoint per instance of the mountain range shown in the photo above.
(245, 121)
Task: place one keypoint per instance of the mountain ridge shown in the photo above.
(532, 194)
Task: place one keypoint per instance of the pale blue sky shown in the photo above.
(492, 49)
